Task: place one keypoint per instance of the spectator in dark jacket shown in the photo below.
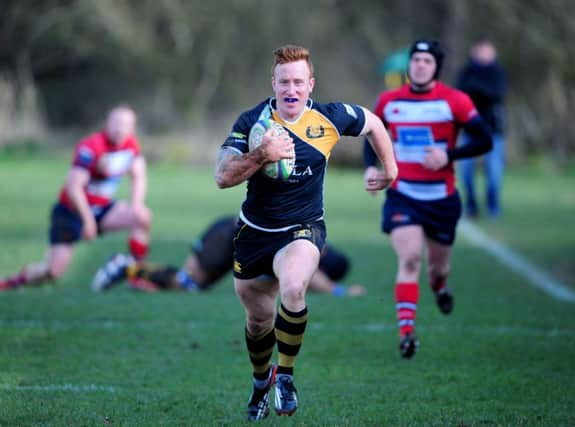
(484, 80)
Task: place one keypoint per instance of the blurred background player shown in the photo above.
(86, 207)
(484, 80)
(211, 257)
(422, 206)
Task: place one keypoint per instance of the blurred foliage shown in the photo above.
(184, 63)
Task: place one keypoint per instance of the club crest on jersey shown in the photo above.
(85, 156)
(314, 132)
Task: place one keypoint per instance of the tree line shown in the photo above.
(185, 63)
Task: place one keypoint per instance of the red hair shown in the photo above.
(291, 53)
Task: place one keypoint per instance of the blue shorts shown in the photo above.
(66, 224)
(254, 250)
(437, 217)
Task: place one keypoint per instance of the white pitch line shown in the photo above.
(89, 388)
(62, 325)
(515, 262)
(487, 330)
(314, 327)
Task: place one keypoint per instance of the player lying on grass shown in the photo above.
(86, 205)
(210, 259)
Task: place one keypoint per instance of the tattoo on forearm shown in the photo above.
(225, 161)
(233, 168)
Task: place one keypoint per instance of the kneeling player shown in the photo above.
(210, 259)
(86, 207)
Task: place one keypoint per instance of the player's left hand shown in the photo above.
(435, 159)
(89, 229)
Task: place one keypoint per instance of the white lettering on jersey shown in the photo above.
(104, 188)
(412, 143)
(299, 172)
(436, 111)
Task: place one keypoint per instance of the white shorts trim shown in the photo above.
(423, 190)
(271, 230)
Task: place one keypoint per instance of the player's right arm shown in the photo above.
(235, 166)
(77, 180)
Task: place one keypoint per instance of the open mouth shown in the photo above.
(290, 100)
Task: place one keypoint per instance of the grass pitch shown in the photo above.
(69, 357)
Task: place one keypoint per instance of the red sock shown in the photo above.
(14, 281)
(138, 249)
(406, 297)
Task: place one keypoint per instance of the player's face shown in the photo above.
(292, 84)
(421, 69)
(120, 125)
(484, 53)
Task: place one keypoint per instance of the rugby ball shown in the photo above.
(282, 169)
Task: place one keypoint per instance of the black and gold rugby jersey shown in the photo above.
(273, 204)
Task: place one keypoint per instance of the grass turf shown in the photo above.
(539, 208)
(68, 357)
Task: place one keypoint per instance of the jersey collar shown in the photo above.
(308, 105)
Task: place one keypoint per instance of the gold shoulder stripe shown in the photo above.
(314, 129)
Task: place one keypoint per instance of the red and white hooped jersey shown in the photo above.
(416, 121)
(106, 163)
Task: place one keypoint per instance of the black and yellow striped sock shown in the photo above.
(132, 271)
(260, 349)
(163, 276)
(290, 328)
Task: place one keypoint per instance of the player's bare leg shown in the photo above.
(438, 267)
(258, 297)
(321, 283)
(123, 216)
(408, 243)
(294, 266)
(52, 268)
